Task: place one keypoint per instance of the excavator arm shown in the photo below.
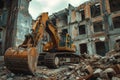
(23, 59)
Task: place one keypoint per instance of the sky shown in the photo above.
(36, 7)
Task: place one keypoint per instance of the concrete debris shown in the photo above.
(91, 67)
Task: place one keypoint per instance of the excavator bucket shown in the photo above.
(21, 60)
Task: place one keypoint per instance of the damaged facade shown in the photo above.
(3, 21)
(93, 25)
(15, 21)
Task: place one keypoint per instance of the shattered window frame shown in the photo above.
(116, 21)
(95, 27)
(85, 48)
(102, 49)
(81, 29)
(95, 10)
(82, 12)
(114, 5)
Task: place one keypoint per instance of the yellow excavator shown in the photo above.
(56, 52)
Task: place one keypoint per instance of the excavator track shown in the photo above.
(50, 61)
(41, 59)
(55, 60)
(21, 60)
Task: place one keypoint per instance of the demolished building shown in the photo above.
(91, 32)
(15, 21)
(93, 25)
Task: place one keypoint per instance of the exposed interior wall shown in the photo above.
(60, 21)
(23, 22)
(91, 48)
(78, 16)
(23, 28)
(73, 16)
(113, 40)
(74, 31)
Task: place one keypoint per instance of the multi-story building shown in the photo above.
(94, 25)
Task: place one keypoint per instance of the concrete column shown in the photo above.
(87, 11)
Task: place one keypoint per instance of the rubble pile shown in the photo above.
(95, 67)
(91, 67)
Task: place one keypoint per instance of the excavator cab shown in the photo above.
(65, 39)
(69, 41)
